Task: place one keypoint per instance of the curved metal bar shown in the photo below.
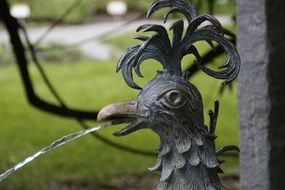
(12, 27)
(75, 4)
(227, 148)
(62, 110)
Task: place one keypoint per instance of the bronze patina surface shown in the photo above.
(170, 105)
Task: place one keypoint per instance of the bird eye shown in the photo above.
(173, 98)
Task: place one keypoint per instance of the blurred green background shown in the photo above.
(42, 10)
(88, 84)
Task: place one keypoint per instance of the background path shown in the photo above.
(69, 35)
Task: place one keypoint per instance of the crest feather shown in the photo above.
(170, 53)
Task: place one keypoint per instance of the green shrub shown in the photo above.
(53, 9)
(58, 53)
(50, 10)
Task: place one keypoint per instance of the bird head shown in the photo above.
(169, 104)
(166, 105)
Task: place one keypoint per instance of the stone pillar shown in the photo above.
(261, 93)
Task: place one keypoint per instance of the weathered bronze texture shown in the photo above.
(170, 105)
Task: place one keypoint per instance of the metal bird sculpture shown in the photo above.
(170, 105)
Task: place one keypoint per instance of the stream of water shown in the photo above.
(52, 146)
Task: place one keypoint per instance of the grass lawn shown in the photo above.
(24, 129)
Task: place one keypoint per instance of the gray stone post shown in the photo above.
(261, 93)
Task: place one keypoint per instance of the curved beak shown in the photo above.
(129, 112)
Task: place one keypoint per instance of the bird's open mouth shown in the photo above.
(126, 112)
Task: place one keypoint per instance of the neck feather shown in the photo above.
(188, 163)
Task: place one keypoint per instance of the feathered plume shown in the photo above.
(170, 52)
